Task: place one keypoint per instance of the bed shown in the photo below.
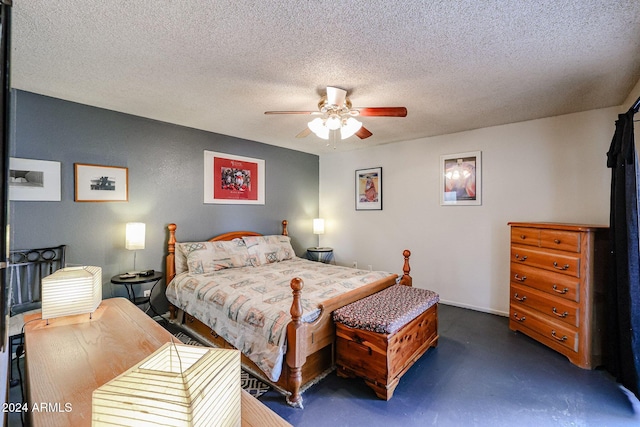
(235, 287)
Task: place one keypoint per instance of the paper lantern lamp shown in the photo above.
(178, 385)
(71, 290)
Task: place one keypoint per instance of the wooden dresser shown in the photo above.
(557, 297)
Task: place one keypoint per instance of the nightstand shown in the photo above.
(129, 283)
(320, 254)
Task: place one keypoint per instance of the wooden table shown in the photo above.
(72, 356)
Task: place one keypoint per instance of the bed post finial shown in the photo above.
(285, 232)
(406, 279)
(296, 307)
(296, 353)
(171, 251)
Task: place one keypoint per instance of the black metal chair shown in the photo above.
(25, 271)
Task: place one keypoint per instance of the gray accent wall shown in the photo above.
(165, 164)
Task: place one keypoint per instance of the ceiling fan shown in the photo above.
(335, 113)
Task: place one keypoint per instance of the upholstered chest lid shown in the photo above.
(386, 311)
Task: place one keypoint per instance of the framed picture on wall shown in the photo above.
(34, 180)
(461, 179)
(96, 183)
(231, 179)
(369, 189)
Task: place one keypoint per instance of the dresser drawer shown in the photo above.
(545, 331)
(525, 236)
(553, 283)
(546, 304)
(560, 240)
(549, 260)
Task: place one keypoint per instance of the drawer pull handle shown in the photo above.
(523, 299)
(522, 236)
(521, 258)
(563, 291)
(565, 314)
(556, 241)
(558, 267)
(520, 279)
(563, 338)
(519, 319)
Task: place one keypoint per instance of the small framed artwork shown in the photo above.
(230, 179)
(34, 180)
(369, 189)
(96, 183)
(461, 179)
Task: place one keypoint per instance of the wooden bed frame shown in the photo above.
(310, 346)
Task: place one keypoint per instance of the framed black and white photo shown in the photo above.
(95, 183)
(34, 180)
(369, 189)
(461, 179)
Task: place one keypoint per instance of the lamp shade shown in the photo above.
(350, 127)
(318, 226)
(317, 126)
(134, 238)
(71, 290)
(178, 385)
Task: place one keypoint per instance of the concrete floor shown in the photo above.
(481, 374)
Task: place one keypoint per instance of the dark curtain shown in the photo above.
(622, 355)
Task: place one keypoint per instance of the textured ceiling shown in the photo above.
(218, 65)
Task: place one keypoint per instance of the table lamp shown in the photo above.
(71, 290)
(134, 240)
(318, 226)
(178, 385)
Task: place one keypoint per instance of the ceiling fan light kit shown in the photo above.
(337, 114)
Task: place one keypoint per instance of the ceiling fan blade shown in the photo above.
(292, 112)
(363, 133)
(336, 96)
(383, 111)
(304, 133)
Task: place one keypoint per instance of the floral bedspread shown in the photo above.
(249, 306)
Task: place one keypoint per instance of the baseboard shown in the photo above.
(473, 307)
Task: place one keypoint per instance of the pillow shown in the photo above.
(180, 260)
(269, 249)
(207, 257)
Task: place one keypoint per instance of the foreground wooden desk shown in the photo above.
(72, 356)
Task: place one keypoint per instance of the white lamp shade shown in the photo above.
(318, 226)
(71, 290)
(317, 126)
(178, 385)
(350, 127)
(135, 236)
(333, 122)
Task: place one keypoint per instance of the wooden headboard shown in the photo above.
(171, 244)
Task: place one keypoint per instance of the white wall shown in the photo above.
(550, 169)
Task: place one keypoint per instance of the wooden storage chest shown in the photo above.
(380, 337)
(557, 287)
